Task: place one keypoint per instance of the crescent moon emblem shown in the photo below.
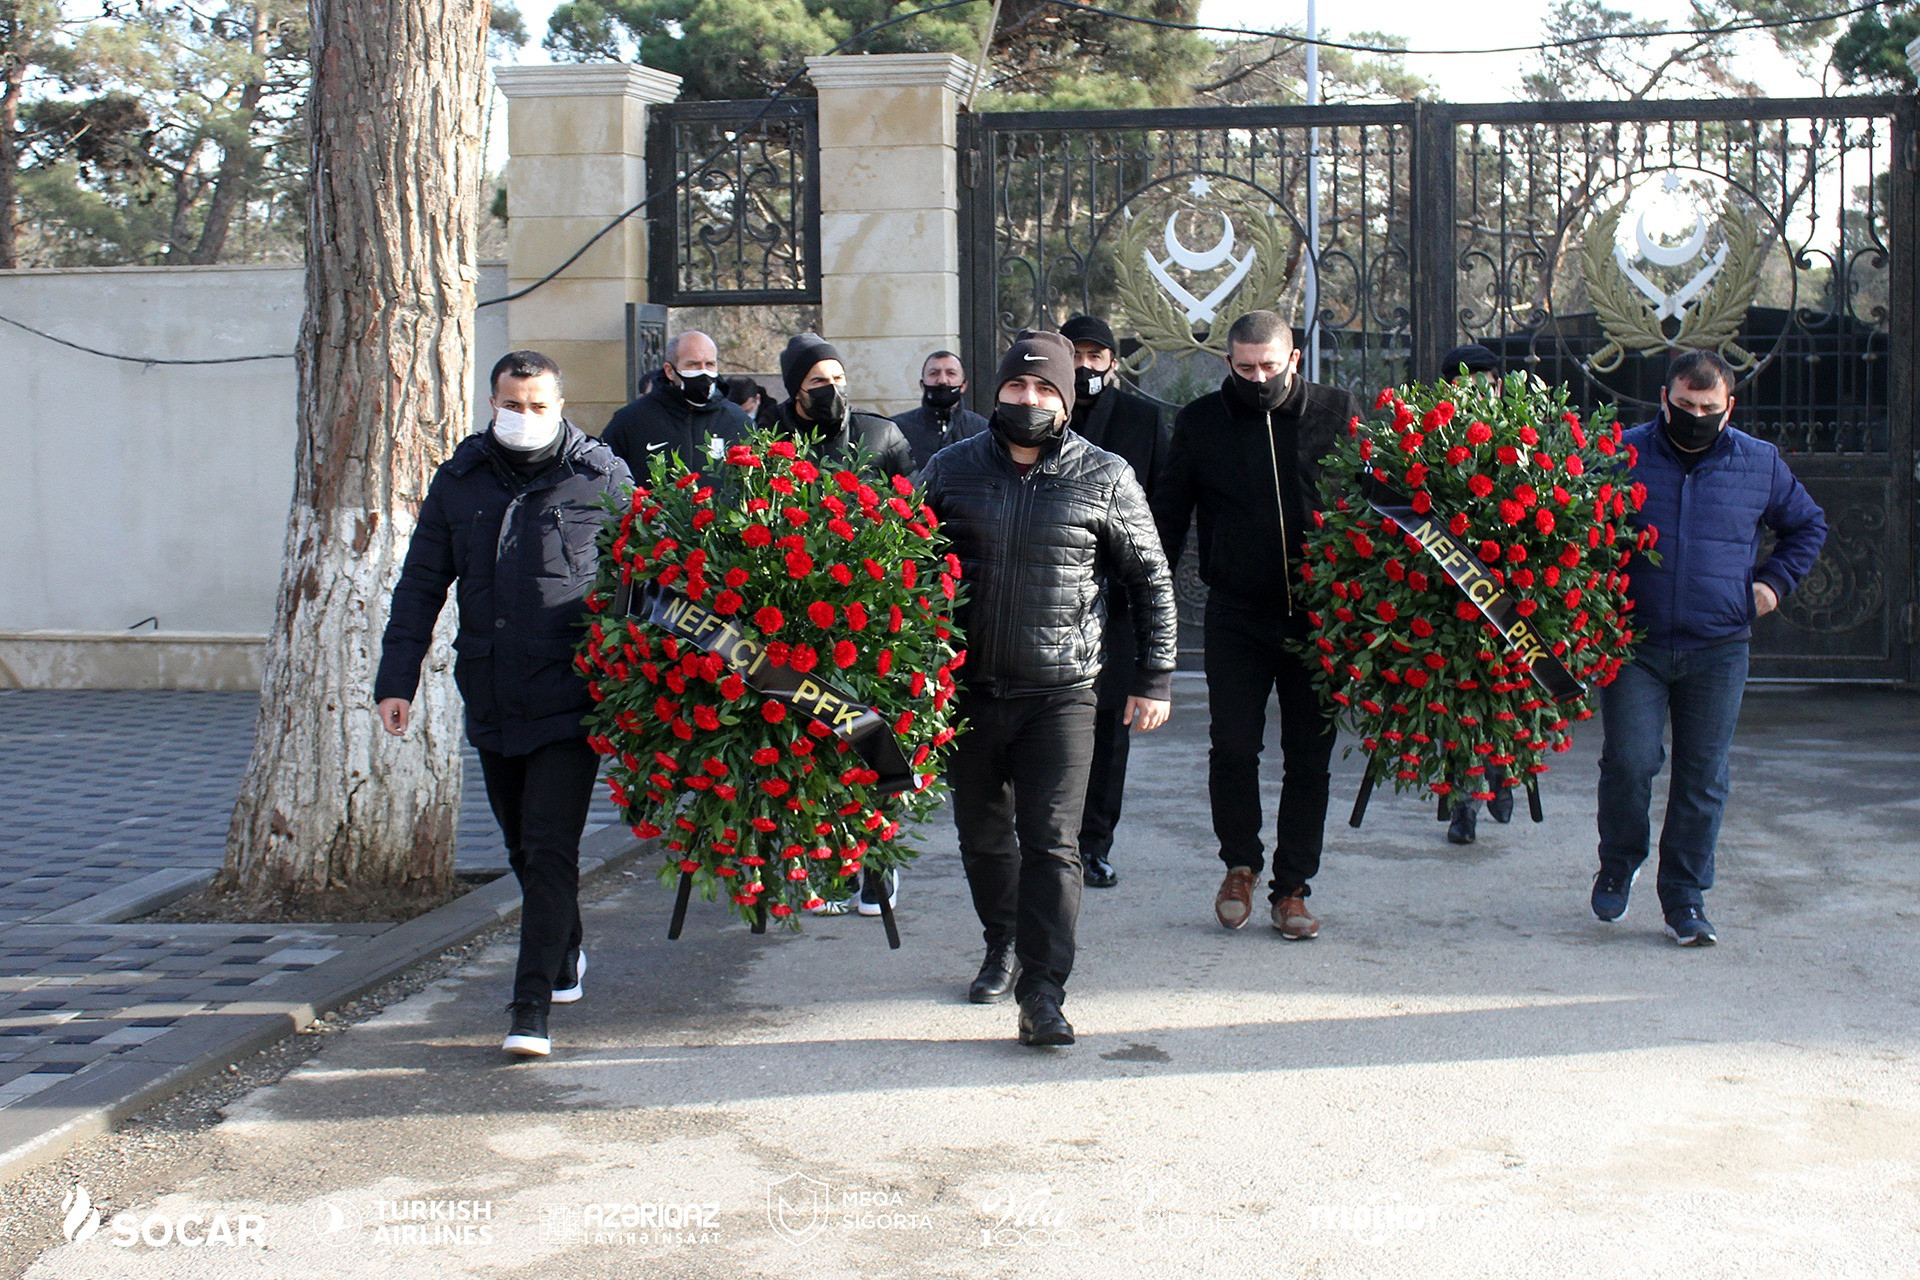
(1662, 255)
(1213, 257)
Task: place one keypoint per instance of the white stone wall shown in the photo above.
(131, 491)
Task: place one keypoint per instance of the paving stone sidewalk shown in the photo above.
(100, 793)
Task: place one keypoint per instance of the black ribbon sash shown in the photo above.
(743, 647)
(1477, 584)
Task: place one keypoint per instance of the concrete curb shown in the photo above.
(47, 1124)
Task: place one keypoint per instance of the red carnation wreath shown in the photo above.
(773, 662)
(1468, 585)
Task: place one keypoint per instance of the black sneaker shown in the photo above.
(569, 990)
(1610, 890)
(1042, 1025)
(872, 885)
(1690, 927)
(527, 1033)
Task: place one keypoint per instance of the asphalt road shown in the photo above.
(1466, 1075)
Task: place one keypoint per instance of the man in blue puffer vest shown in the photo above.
(1709, 489)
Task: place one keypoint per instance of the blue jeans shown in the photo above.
(1698, 691)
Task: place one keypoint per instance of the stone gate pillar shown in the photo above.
(577, 142)
(889, 216)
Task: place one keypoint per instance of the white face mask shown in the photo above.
(522, 431)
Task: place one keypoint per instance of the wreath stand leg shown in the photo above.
(1532, 785)
(680, 906)
(760, 918)
(1360, 801)
(1445, 808)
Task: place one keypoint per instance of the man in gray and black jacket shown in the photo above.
(1246, 461)
(1037, 516)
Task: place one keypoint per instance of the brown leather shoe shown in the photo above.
(1233, 905)
(1294, 921)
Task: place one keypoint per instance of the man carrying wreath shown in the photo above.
(1039, 518)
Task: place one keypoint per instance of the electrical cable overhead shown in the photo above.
(783, 91)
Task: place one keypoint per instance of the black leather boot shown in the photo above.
(997, 972)
(1041, 1022)
(1465, 819)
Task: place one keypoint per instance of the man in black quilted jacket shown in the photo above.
(1038, 516)
(1246, 461)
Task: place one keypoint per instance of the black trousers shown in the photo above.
(1019, 778)
(1246, 661)
(541, 800)
(1107, 779)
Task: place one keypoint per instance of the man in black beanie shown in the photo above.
(816, 408)
(1036, 514)
(1119, 421)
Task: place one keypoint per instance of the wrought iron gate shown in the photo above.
(1577, 240)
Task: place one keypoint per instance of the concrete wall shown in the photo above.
(132, 491)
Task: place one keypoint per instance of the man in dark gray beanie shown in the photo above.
(1036, 513)
(816, 408)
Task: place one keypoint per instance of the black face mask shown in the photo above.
(827, 405)
(1693, 432)
(697, 388)
(939, 399)
(1027, 425)
(1264, 396)
(1087, 384)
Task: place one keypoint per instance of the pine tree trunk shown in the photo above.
(333, 812)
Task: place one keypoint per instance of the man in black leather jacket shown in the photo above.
(511, 518)
(816, 408)
(1246, 460)
(1116, 420)
(1038, 516)
(684, 412)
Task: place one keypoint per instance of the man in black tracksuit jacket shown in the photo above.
(684, 413)
(1246, 460)
(511, 518)
(816, 409)
(1038, 516)
(1118, 421)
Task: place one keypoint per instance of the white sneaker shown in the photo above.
(871, 906)
(567, 995)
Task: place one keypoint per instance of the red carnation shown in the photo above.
(766, 756)
(1458, 454)
(756, 535)
(1479, 433)
(841, 574)
(1508, 455)
(845, 655)
(1490, 552)
(1511, 512)
(773, 711)
(768, 618)
(821, 614)
(1543, 520)
(1417, 474)
(1423, 502)
(803, 659)
(705, 717)
(857, 616)
(1384, 399)
(799, 564)
(1479, 486)
(1458, 525)
(727, 602)
(875, 570)
(733, 687)
(1386, 611)
(805, 471)
(1421, 627)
